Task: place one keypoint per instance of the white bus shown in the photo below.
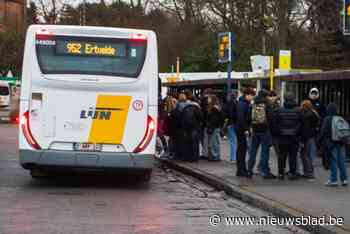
(5, 94)
(89, 99)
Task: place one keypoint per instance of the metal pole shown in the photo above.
(178, 68)
(271, 73)
(229, 67)
(229, 70)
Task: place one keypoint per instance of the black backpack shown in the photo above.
(175, 120)
(289, 123)
(189, 119)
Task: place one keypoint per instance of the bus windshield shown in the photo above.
(91, 56)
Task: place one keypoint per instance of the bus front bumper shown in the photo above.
(33, 159)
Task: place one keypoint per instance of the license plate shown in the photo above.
(87, 147)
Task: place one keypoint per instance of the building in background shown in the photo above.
(12, 14)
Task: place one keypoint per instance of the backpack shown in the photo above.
(287, 122)
(175, 120)
(189, 120)
(259, 113)
(340, 130)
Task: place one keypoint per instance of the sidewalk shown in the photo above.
(282, 198)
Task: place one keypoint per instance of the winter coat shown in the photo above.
(287, 120)
(230, 111)
(270, 110)
(319, 107)
(310, 123)
(214, 119)
(243, 116)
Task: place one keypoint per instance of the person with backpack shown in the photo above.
(335, 133)
(176, 130)
(287, 126)
(310, 122)
(242, 129)
(230, 115)
(260, 136)
(214, 123)
(190, 123)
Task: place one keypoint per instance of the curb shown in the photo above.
(271, 206)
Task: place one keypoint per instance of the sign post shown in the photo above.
(346, 17)
(271, 74)
(225, 56)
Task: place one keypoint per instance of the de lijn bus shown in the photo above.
(88, 99)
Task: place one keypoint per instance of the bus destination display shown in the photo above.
(90, 49)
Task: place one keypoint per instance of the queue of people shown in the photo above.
(295, 132)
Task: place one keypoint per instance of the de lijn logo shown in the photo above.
(98, 113)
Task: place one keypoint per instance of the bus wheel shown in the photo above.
(38, 174)
(146, 176)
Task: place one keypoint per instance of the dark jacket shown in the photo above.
(204, 106)
(230, 111)
(310, 123)
(198, 120)
(175, 119)
(243, 116)
(199, 116)
(270, 110)
(214, 119)
(319, 107)
(260, 128)
(326, 129)
(287, 121)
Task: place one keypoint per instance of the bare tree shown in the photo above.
(50, 10)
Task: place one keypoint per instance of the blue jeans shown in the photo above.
(312, 149)
(263, 139)
(308, 155)
(233, 142)
(337, 159)
(214, 144)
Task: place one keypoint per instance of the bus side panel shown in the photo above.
(29, 65)
(153, 73)
(27, 71)
(153, 91)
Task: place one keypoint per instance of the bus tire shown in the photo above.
(146, 176)
(38, 174)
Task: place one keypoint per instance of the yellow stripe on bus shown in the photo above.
(110, 131)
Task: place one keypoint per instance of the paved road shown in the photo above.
(170, 203)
